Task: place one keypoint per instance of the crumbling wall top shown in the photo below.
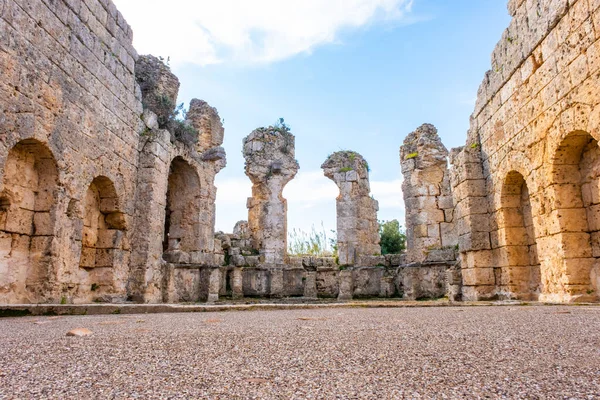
(424, 147)
(347, 166)
(205, 119)
(159, 87)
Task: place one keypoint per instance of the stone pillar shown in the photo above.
(357, 226)
(237, 286)
(473, 224)
(205, 119)
(159, 88)
(310, 285)
(346, 285)
(146, 278)
(427, 195)
(270, 165)
(214, 285)
(276, 283)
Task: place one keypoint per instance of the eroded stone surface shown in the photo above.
(427, 196)
(526, 182)
(270, 165)
(88, 180)
(357, 226)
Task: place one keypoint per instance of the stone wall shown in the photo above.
(88, 174)
(357, 226)
(526, 183)
(427, 195)
(69, 137)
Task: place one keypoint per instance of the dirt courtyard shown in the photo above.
(452, 352)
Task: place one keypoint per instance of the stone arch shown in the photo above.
(28, 200)
(575, 202)
(520, 267)
(182, 216)
(104, 248)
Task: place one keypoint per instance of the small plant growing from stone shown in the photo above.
(412, 155)
(173, 118)
(281, 126)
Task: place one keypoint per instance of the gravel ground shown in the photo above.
(466, 352)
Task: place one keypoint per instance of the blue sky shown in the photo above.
(345, 74)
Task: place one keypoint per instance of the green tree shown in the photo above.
(393, 240)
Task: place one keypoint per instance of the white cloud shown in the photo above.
(388, 194)
(258, 31)
(311, 201)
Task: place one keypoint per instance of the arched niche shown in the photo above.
(27, 222)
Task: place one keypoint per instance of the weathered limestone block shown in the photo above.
(276, 282)
(367, 281)
(159, 87)
(270, 165)
(357, 226)
(255, 282)
(346, 285)
(310, 285)
(293, 281)
(328, 284)
(421, 281)
(214, 284)
(237, 288)
(427, 194)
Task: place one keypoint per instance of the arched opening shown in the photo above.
(104, 246)
(27, 206)
(521, 276)
(576, 204)
(182, 214)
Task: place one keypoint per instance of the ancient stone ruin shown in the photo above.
(107, 188)
(270, 165)
(357, 227)
(428, 196)
(525, 185)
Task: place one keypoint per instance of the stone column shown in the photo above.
(473, 224)
(205, 119)
(346, 285)
(237, 286)
(357, 227)
(214, 285)
(310, 285)
(276, 283)
(159, 89)
(427, 196)
(270, 165)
